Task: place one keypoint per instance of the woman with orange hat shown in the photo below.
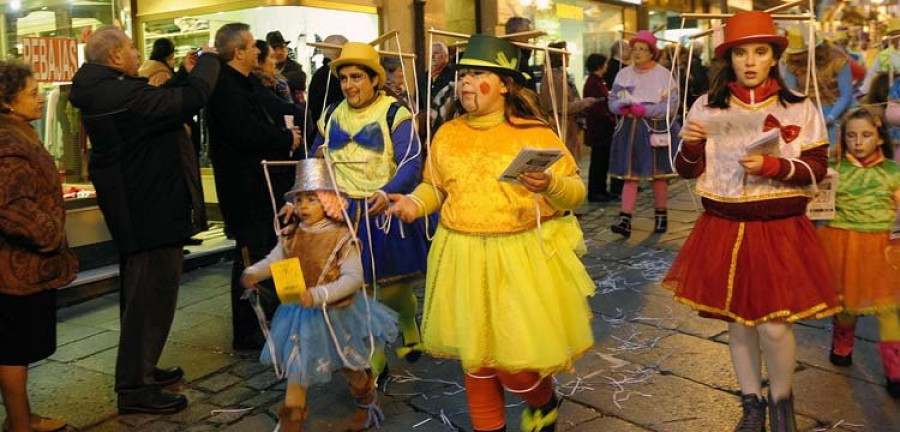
(645, 95)
(753, 258)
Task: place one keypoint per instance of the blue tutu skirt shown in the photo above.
(305, 350)
(399, 253)
(632, 158)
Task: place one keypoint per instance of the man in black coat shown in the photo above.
(320, 84)
(290, 69)
(619, 56)
(242, 134)
(147, 178)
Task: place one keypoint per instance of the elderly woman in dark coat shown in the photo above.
(34, 257)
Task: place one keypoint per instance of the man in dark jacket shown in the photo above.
(619, 56)
(320, 84)
(443, 88)
(147, 178)
(242, 135)
(519, 24)
(287, 67)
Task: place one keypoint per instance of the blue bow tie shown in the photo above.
(369, 137)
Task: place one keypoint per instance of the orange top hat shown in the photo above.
(750, 27)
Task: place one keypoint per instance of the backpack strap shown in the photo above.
(392, 113)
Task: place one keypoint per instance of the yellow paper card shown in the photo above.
(289, 282)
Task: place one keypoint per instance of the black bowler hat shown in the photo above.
(275, 39)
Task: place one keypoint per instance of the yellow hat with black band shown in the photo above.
(360, 54)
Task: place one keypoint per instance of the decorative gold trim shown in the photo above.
(818, 311)
(772, 99)
(654, 177)
(753, 198)
(815, 144)
(872, 310)
(732, 269)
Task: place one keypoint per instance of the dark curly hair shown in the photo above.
(13, 77)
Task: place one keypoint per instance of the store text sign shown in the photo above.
(51, 59)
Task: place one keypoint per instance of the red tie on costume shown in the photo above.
(788, 133)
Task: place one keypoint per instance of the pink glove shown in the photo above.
(626, 110)
(638, 110)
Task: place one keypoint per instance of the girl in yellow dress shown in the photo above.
(505, 289)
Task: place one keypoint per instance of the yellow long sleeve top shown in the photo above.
(466, 159)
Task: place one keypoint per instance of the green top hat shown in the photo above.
(493, 54)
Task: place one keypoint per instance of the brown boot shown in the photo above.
(291, 418)
(367, 413)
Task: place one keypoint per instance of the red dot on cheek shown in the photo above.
(485, 88)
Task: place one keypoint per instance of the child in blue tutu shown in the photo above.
(334, 327)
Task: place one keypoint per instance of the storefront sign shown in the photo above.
(572, 12)
(51, 59)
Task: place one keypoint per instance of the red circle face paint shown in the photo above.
(485, 88)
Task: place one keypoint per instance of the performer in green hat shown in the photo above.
(505, 289)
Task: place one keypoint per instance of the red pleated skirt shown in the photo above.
(755, 271)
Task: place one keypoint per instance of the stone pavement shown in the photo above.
(655, 366)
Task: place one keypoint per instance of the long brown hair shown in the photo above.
(520, 101)
(720, 94)
(862, 113)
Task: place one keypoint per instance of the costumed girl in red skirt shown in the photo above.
(753, 258)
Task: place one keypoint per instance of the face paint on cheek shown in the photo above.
(485, 88)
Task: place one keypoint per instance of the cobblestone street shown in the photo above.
(656, 366)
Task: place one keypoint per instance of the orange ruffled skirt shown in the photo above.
(864, 269)
(754, 271)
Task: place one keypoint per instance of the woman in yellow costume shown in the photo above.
(505, 290)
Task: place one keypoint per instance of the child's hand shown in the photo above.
(248, 281)
(378, 201)
(752, 164)
(897, 198)
(536, 182)
(403, 207)
(694, 132)
(286, 213)
(306, 299)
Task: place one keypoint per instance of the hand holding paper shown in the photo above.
(530, 160)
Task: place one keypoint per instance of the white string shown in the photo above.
(552, 84)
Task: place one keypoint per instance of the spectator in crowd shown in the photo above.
(242, 135)
(160, 67)
(573, 104)
(442, 88)
(290, 69)
(37, 259)
(601, 124)
(147, 178)
(619, 57)
(272, 90)
(395, 85)
(518, 24)
(268, 75)
(698, 82)
(324, 90)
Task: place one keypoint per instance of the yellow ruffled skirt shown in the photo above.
(509, 301)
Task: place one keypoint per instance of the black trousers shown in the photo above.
(149, 293)
(599, 170)
(253, 242)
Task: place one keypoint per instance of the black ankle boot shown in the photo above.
(660, 221)
(781, 415)
(541, 419)
(754, 417)
(622, 225)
